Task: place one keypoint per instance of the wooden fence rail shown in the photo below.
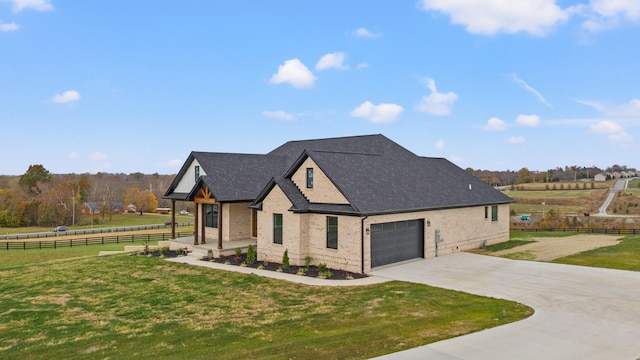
(91, 231)
(97, 240)
(581, 230)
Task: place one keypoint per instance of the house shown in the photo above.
(600, 177)
(95, 207)
(353, 203)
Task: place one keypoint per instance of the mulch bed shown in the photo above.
(293, 269)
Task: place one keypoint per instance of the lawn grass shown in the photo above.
(507, 245)
(624, 256)
(119, 307)
(523, 235)
(13, 258)
(118, 220)
(551, 194)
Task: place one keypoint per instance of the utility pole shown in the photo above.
(73, 208)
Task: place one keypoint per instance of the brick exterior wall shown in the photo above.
(305, 234)
(323, 191)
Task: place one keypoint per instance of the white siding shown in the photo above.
(188, 180)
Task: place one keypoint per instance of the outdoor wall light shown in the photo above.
(367, 231)
(428, 222)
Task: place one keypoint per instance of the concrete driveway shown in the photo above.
(580, 312)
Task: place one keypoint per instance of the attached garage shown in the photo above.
(396, 241)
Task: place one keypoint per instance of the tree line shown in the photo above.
(558, 174)
(39, 198)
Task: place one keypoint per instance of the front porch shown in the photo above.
(199, 251)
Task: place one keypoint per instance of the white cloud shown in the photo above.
(363, 65)
(440, 144)
(604, 14)
(295, 73)
(528, 120)
(175, 163)
(73, 155)
(629, 109)
(613, 131)
(65, 97)
(490, 17)
(458, 159)
(38, 5)
(98, 156)
(495, 124)
(381, 113)
(332, 61)
(527, 87)
(280, 115)
(6, 27)
(364, 33)
(515, 140)
(437, 103)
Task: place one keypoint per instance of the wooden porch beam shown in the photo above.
(195, 225)
(173, 219)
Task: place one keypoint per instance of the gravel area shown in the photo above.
(550, 248)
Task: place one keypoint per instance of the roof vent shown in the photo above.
(469, 187)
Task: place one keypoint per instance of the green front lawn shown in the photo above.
(119, 307)
(624, 256)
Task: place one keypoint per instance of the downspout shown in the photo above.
(362, 243)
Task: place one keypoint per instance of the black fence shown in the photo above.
(97, 240)
(90, 231)
(581, 230)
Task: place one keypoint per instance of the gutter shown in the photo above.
(362, 243)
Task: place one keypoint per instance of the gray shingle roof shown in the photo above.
(375, 174)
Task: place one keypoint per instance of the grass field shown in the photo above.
(624, 256)
(560, 201)
(71, 304)
(116, 221)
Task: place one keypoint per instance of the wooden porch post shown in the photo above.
(195, 225)
(203, 224)
(220, 226)
(173, 219)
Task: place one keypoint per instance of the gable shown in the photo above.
(323, 190)
(188, 180)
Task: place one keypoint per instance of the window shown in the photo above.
(197, 171)
(494, 213)
(309, 178)
(332, 232)
(277, 228)
(486, 212)
(211, 217)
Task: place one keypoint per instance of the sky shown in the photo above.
(134, 86)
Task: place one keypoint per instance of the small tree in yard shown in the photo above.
(251, 255)
(285, 259)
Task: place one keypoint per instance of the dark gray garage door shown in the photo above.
(396, 241)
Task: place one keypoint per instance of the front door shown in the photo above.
(254, 223)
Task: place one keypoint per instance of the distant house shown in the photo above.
(600, 177)
(96, 207)
(353, 203)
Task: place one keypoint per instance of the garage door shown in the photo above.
(396, 241)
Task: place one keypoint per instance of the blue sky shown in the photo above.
(134, 86)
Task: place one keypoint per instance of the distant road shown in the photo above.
(619, 185)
